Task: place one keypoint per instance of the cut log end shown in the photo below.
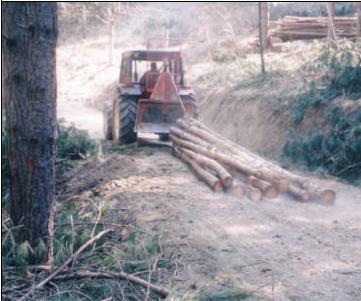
(237, 191)
(272, 192)
(282, 185)
(227, 182)
(299, 193)
(327, 197)
(217, 186)
(254, 194)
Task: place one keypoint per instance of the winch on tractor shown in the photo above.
(152, 102)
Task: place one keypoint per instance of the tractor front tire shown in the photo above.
(124, 115)
(108, 120)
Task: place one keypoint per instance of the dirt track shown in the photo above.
(280, 249)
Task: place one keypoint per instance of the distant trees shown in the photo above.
(30, 32)
(108, 15)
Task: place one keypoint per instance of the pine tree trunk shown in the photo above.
(15, 97)
(42, 121)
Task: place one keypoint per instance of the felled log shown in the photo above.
(213, 182)
(299, 28)
(226, 159)
(267, 170)
(184, 135)
(298, 193)
(269, 189)
(253, 193)
(266, 175)
(223, 174)
(322, 196)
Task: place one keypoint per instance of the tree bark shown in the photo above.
(203, 174)
(42, 121)
(264, 20)
(226, 159)
(223, 174)
(15, 97)
(269, 189)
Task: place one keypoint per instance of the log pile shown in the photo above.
(225, 165)
(306, 28)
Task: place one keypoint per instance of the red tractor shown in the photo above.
(152, 102)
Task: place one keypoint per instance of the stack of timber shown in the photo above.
(225, 165)
(306, 28)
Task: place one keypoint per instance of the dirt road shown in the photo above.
(278, 249)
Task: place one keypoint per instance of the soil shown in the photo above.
(278, 249)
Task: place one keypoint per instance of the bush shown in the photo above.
(341, 68)
(338, 151)
(73, 143)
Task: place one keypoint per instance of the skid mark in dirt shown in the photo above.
(279, 249)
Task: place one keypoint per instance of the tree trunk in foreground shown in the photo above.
(42, 122)
(15, 97)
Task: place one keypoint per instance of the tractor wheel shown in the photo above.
(124, 115)
(191, 99)
(108, 120)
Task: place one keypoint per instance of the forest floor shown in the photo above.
(275, 249)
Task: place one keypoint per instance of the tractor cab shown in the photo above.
(151, 94)
(143, 67)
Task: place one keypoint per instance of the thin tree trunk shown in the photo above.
(264, 19)
(111, 42)
(84, 19)
(263, 69)
(15, 97)
(42, 121)
(331, 25)
(358, 26)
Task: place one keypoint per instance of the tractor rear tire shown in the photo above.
(191, 99)
(124, 115)
(108, 120)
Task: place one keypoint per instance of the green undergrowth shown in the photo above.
(336, 151)
(209, 293)
(340, 70)
(126, 249)
(73, 143)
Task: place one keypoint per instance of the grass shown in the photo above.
(220, 294)
(74, 144)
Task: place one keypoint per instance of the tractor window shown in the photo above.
(126, 70)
